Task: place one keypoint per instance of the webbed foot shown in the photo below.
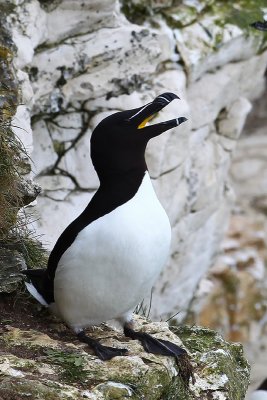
(165, 348)
(103, 352)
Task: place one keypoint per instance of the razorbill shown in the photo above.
(108, 259)
(260, 393)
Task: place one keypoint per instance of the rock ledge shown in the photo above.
(35, 365)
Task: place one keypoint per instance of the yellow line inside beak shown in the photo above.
(143, 124)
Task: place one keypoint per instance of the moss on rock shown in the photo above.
(69, 368)
(220, 363)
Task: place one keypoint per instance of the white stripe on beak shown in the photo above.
(164, 98)
(140, 111)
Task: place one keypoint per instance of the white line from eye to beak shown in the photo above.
(162, 97)
(140, 110)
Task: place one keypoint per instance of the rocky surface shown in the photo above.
(11, 264)
(232, 298)
(236, 286)
(249, 167)
(37, 365)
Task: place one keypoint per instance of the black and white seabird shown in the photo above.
(107, 260)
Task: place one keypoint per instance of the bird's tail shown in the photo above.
(35, 286)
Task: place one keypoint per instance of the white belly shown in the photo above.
(114, 262)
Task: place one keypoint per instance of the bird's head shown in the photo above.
(119, 141)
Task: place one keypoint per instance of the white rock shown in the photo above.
(25, 50)
(243, 170)
(63, 212)
(21, 126)
(47, 65)
(170, 81)
(198, 233)
(232, 121)
(172, 192)
(206, 45)
(213, 92)
(206, 170)
(43, 155)
(82, 17)
(249, 167)
(55, 182)
(25, 87)
(77, 162)
(28, 22)
(66, 127)
(168, 151)
(93, 57)
(120, 103)
(251, 146)
(15, 2)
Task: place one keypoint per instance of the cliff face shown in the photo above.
(79, 61)
(75, 63)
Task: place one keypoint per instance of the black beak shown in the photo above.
(143, 114)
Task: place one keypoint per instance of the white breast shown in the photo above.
(114, 261)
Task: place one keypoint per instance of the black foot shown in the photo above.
(165, 348)
(103, 352)
(261, 26)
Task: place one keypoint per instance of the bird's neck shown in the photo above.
(115, 190)
(127, 181)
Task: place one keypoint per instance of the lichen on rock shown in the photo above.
(69, 369)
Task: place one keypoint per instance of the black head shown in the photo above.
(118, 142)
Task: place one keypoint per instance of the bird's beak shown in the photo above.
(144, 114)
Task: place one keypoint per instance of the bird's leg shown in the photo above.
(165, 348)
(103, 352)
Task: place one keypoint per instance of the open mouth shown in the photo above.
(146, 120)
(150, 111)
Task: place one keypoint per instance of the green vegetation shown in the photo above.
(9, 149)
(14, 233)
(72, 365)
(240, 13)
